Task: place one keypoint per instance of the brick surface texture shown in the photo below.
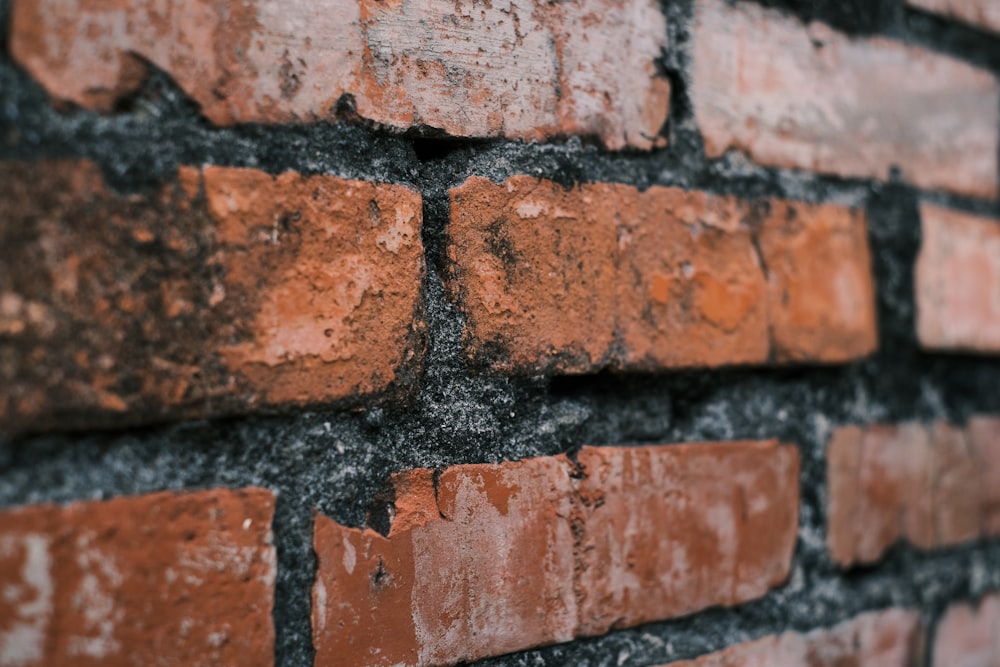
(602, 275)
(165, 579)
(228, 289)
(485, 559)
(984, 14)
(472, 70)
(931, 486)
(891, 638)
(958, 281)
(806, 97)
(966, 636)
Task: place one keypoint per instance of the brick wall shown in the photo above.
(602, 332)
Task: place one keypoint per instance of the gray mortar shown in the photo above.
(335, 461)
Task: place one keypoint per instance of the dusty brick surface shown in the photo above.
(164, 579)
(891, 638)
(482, 560)
(602, 275)
(584, 67)
(931, 486)
(806, 97)
(981, 13)
(957, 280)
(226, 290)
(966, 636)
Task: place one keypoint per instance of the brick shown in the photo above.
(821, 299)
(984, 14)
(584, 67)
(485, 559)
(224, 291)
(890, 638)
(927, 485)
(604, 276)
(806, 97)
(984, 436)
(165, 579)
(966, 636)
(956, 279)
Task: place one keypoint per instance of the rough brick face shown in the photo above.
(981, 13)
(602, 275)
(957, 278)
(580, 67)
(931, 486)
(485, 559)
(966, 636)
(809, 98)
(165, 579)
(225, 290)
(891, 638)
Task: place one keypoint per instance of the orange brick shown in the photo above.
(806, 97)
(891, 638)
(930, 486)
(966, 636)
(166, 579)
(958, 281)
(585, 67)
(821, 298)
(602, 275)
(984, 14)
(227, 290)
(482, 560)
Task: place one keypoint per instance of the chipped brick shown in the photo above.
(486, 559)
(582, 67)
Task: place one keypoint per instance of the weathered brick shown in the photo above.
(481, 560)
(585, 67)
(806, 97)
(966, 636)
(891, 638)
(227, 290)
(929, 486)
(957, 280)
(982, 13)
(602, 275)
(165, 579)
(821, 300)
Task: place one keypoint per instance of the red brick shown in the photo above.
(806, 97)
(224, 291)
(584, 67)
(984, 436)
(981, 13)
(482, 560)
(958, 281)
(165, 579)
(821, 298)
(891, 638)
(602, 275)
(967, 636)
(929, 486)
